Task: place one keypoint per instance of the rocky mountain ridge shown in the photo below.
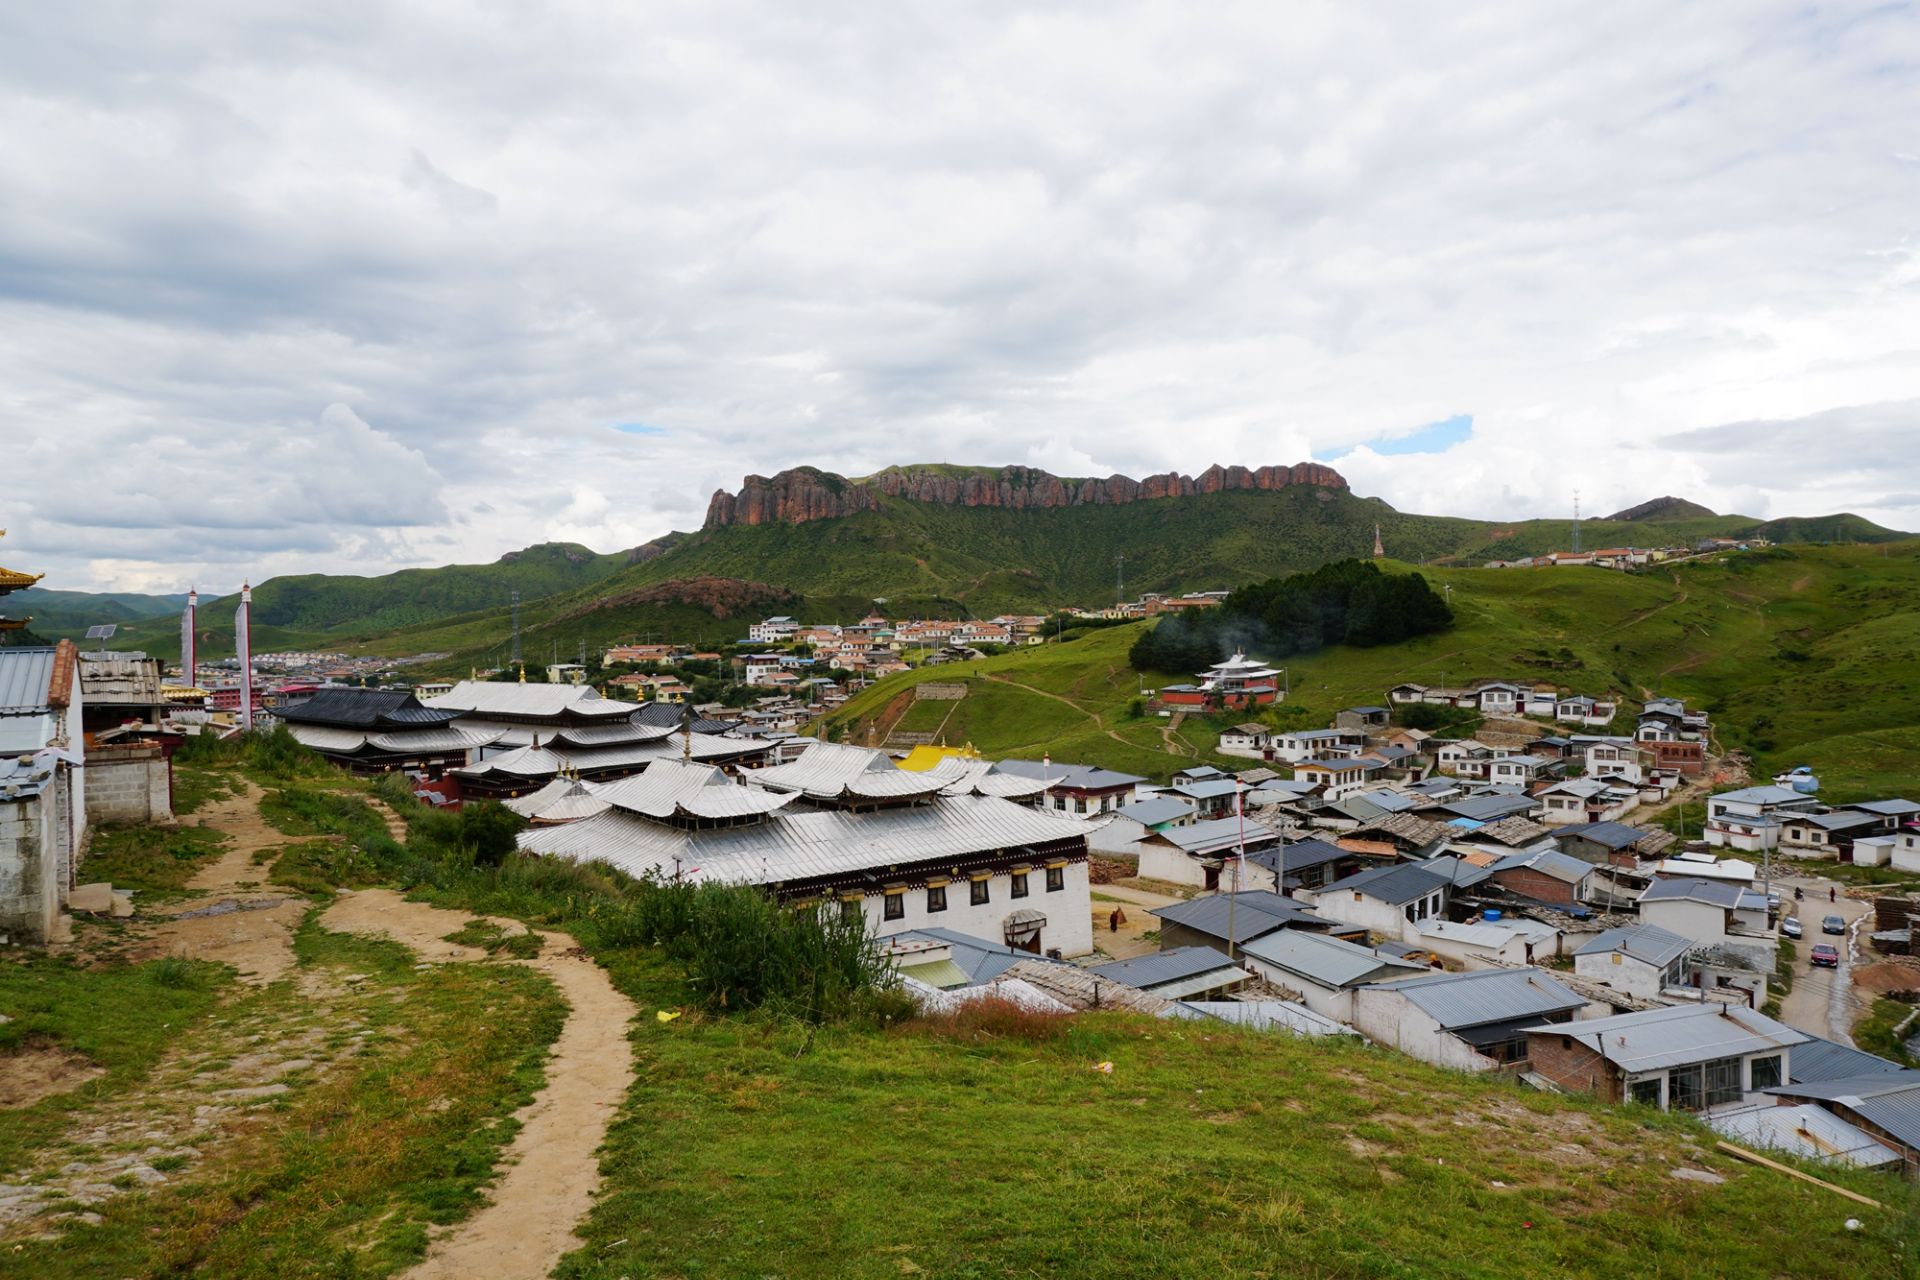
(802, 494)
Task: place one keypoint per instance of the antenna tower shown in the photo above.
(516, 659)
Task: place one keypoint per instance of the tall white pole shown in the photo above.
(243, 641)
(189, 640)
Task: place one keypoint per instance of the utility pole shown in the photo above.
(1576, 520)
(1120, 580)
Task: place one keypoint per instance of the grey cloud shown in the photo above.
(850, 237)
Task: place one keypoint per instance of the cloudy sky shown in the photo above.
(372, 285)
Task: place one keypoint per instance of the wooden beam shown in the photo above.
(1754, 1157)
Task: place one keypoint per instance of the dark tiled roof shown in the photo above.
(365, 709)
(1397, 884)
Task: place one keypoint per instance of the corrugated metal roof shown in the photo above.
(491, 697)
(1396, 884)
(1071, 777)
(1325, 961)
(1155, 810)
(1300, 856)
(1889, 1099)
(1648, 942)
(1150, 971)
(982, 959)
(673, 788)
(1657, 1038)
(832, 770)
(1254, 914)
(1460, 1000)
(801, 846)
(1821, 1059)
(1807, 1130)
(1719, 893)
(1548, 862)
(944, 974)
(1216, 835)
(26, 675)
(1269, 1015)
(1494, 934)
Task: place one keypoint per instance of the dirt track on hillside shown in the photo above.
(552, 1170)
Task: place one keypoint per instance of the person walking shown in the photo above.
(1833, 895)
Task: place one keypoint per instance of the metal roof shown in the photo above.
(1254, 912)
(1457, 871)
(1155, 809)
(1488, 806)
(1327, 962)
(1176, 966)
(1300, 856)
(834, 771)
(1269, 1015)
(1216, 835)
(981, 959)
(26, 678)
(496, 697)
(1205, 788)
(1821, 1059)
(1646, 942)
(1071, 777)
(1397, 884)
(1488, 933)
(1889, 1100)
(1762, 795)
(365, 709)
(1459, 1000)
(1608, 835)
(673, 788)
(1548, 862)
(1719, 893)
(1895, 807)
(562, 800)
(1839, 820)
(1658, 1038)
(802, 846)
(1807, 1130)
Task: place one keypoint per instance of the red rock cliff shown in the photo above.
(803, 494)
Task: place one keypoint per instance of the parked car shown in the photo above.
(1790, 927)
(1826, 956)
(1833, 924)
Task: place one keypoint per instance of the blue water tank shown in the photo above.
(1490, 914)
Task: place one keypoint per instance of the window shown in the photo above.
(1646, 1092)
(977, 894)
(1056, 879)
(850, 909)
(1079, 804)
(1686, 1086)
(1019, 884)
(936, 898)
(1723, 1081)
(1766, 1073)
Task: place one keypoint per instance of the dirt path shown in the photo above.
(551, 1170)
(237, 919)
(396, 825)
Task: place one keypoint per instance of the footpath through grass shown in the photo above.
(988, 1145)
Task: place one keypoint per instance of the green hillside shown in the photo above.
(70, 613)
(335, 611)
(1804, 655)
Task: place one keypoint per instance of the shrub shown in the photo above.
(488, 829)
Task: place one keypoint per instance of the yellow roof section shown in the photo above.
(923, 758)
(10, 578)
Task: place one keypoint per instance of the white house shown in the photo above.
(1713, 913)
(1684, 1058)
(1517, 771)
(1388, 901)
(1489, 943)
(1475, 1021)
(1203, 854)
(1132, 823)
(1750, 818)
(1611, 758)
(1339, 778)
(1906, 851)
(773, 630)
(1309, 744)
(1250, 740)
(43, 800)
(1580, 709)
(1583, 800)
(1325, 971)
(1637, 960)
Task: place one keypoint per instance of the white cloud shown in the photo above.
(1109, 237)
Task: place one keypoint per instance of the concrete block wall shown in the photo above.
(128, 784)
(30, 887)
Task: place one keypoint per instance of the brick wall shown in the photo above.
(1572, 1065)
(1533, 884)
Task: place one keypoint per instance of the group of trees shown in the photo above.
(1348, 602)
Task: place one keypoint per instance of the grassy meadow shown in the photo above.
(1803, 655)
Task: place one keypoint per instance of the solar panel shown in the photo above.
(102, 632)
